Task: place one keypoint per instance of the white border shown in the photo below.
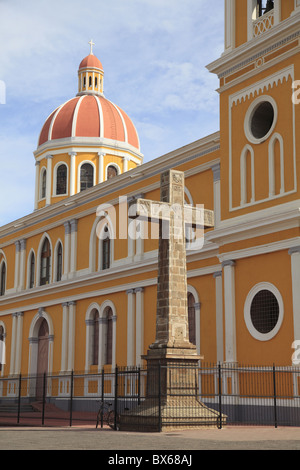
(257, 288)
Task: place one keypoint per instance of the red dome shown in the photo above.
(89, 116)
(90, 61)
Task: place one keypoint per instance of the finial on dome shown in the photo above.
(91, 43)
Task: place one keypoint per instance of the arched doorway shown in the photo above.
(42, 358)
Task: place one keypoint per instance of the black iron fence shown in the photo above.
(169, 397)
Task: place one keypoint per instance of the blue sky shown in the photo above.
(153, 52)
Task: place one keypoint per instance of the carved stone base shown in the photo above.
(174, 378)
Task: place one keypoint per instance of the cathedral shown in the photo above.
(78, 283)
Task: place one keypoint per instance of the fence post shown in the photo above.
(275, 399)
(19, 399)
(71, 398)
(139, 385)
(159, 398)
(102, 395)
(220, 396)
(116, 397)
(44, 398)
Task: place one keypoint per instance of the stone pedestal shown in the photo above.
(172, 396)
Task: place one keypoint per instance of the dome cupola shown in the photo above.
(90, 75)
(86, 133)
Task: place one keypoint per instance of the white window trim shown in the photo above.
(274, 138)
(40, 185)
(116, 166)
(78, 173)
(257, 288)
(249, 114)
(3, 261)
(38, 261)
(55, 259)
(54, 194)
(28, 269)
(251, 15)
(243, 175)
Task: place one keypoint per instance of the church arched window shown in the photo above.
(105, 248)
(2, 278)
(43, 183)
(61, 179)
(86, 176)
(108, 339)
(191, 318)
(45, 263)
(31, 270)
(2, 346)
(59, 262)
(95, 338)
(111, 171)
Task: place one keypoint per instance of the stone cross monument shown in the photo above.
(172, 356)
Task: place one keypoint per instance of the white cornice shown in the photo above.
(36, 296)
(266, 221)
(239, 57)
(83, 144)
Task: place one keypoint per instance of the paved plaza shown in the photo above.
(88, 438)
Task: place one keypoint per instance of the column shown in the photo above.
(229, 25)
(64, 339)
(277, 11)
(37, 185)
(219, 315)
(295, 268)
(71, 336)
(101, 156)
(229, 303)
(49, 179)
(130, 327)
(73, 247)
(125, 164)
(217, 193)
(251, 16)
(19, 337)
(139, 325)
(67, 250)
(13, 344)
(17, 265)
(72, 173)
(22, 264)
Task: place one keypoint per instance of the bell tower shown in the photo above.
(258, 116)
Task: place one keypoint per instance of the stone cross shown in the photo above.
(91, 43)
(172, 331)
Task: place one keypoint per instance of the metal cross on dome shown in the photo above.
(91, 43)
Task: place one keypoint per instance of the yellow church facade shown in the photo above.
(78, 277)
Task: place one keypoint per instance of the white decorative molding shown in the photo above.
(262, 86)
(247, 311)
(246, 94)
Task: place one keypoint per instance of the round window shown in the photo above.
(260, 119)
(263, 311)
